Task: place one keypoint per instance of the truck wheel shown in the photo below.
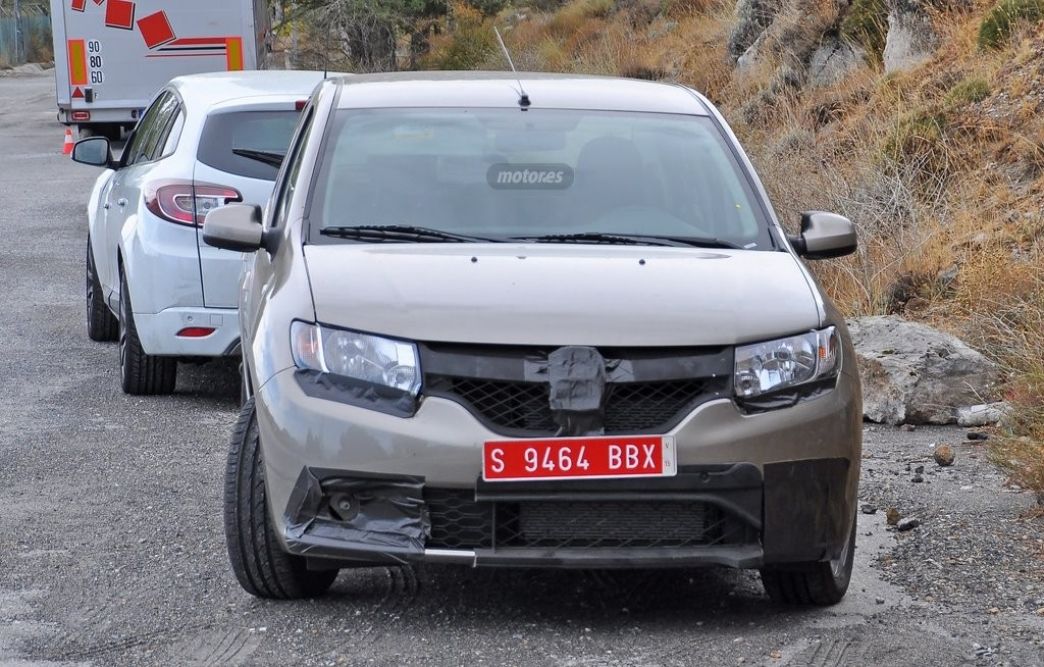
(258, 561)
(812, 584)
(141, 374)
(102, 325)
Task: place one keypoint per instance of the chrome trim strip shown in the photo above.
(450, 556)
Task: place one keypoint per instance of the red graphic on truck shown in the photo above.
(159, 35)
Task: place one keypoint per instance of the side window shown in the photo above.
(151, 148)
(286, 184)
(144, 130)
(170, 144)
(152, 133)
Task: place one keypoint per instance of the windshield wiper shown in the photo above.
(401, 233)
(268, 157)
(630, 239)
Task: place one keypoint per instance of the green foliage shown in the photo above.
(473, 41)
(866, 24)
(918, 137)
(1000, 22)
(489, 7)
(969, 91)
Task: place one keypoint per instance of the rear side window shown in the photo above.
(247, 143)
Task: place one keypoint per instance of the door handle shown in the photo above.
(121, 202)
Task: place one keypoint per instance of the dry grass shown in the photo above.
(941, 168)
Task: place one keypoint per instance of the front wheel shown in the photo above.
(258, 561)
(812, 584)
(102, 325)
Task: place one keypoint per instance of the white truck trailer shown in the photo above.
(112, 56)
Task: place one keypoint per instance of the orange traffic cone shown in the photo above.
(67, 149)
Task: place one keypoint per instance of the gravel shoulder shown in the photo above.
(111, 549)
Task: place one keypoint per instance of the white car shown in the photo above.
(205, 141)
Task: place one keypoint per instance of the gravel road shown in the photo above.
(111, 550)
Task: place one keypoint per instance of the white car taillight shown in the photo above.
(187, 203)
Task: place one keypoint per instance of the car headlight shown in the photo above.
(767, 367)
(371, 359)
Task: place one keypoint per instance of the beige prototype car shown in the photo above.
(549, 321)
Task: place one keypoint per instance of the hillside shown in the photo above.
(920, 120)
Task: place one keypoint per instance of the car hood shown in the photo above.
(542, 294)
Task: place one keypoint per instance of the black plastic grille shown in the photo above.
(649, 406)
(514, 405)
(633, 407)
(459, 522)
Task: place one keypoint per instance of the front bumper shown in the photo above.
(782, 484)
(706, 515)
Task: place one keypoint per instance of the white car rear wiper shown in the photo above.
(629, 239)
(268, 157)
(402, 233)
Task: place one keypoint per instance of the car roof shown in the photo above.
(214, 88)
(501, 89)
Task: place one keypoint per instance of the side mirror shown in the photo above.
(234, 227)
(825, 236)
(94, 151)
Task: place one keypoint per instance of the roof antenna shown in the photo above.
(523, 98)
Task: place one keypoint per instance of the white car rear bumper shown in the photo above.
(159, 332)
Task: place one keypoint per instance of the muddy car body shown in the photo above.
(470, 337)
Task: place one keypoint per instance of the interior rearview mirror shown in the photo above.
(825, 236)
(234, 227)
(94, 151)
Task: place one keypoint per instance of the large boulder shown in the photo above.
(915, 374)
(833, 60)
(911, 36)
(752, 18)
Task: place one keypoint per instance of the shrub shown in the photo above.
(471, 44)
(969, 91)
(866, 24)
(1000, 22)
(918, 138)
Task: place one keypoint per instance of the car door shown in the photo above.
(145, 145)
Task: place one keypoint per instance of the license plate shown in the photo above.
(571, 458)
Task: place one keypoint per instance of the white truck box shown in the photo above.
(112, 56)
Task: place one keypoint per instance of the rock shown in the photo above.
(944, 455)
(917, 479)
(984, 414)
(909, 428)
(868, 509)
(892, 516)
(911, 35)
(833, 60)
(977, 436)
(750, 58)
(919, 470)
(28, 69)
(908, 524)
(912, 373)
(752, 18)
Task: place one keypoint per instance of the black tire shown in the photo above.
(102, 325)
(141, 374)
(812, 584)
(260, 564)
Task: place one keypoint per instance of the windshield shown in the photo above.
(543, 175)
